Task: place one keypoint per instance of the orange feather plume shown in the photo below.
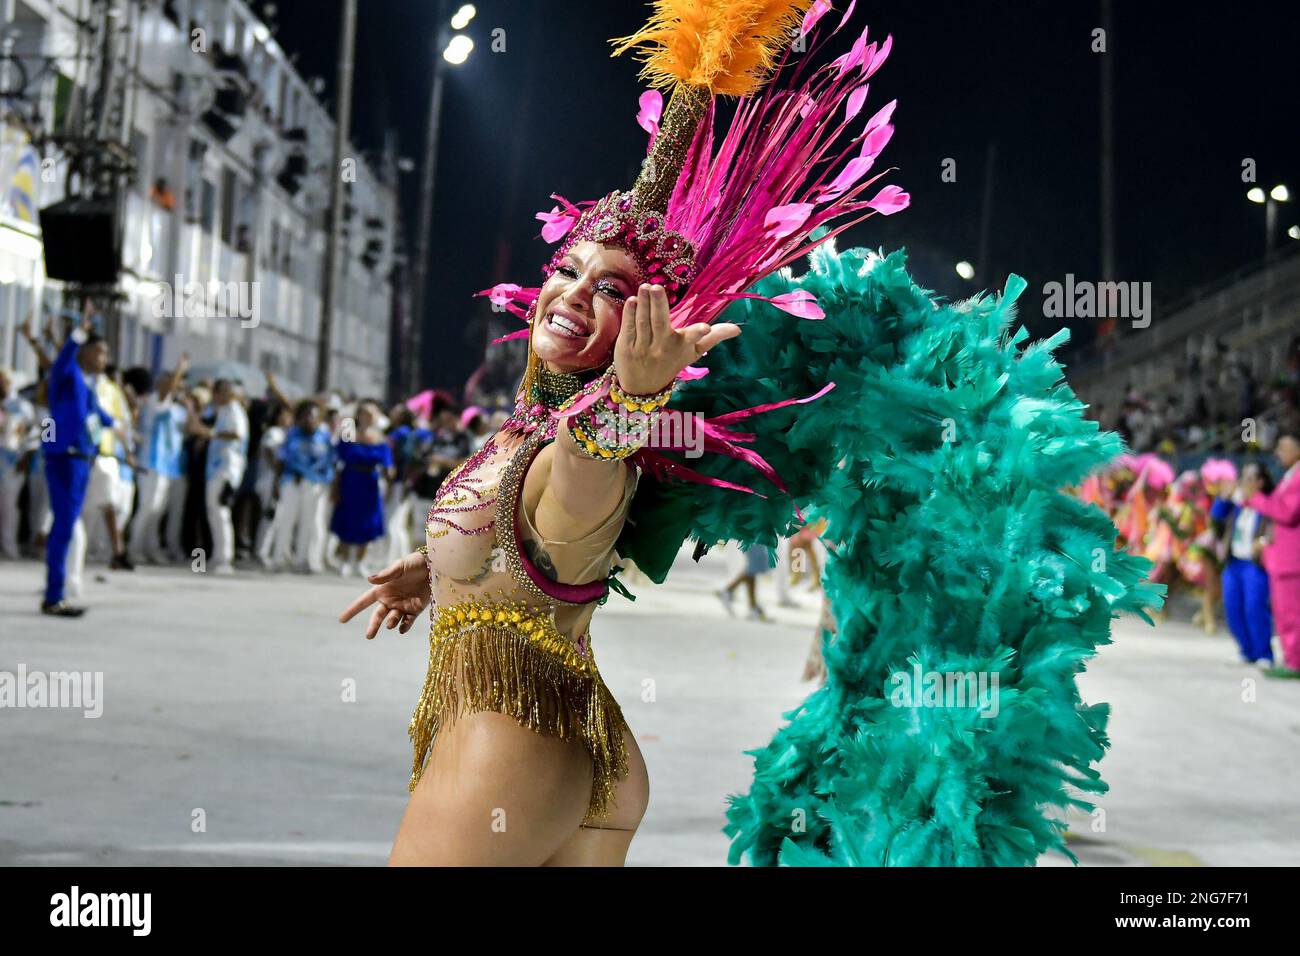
(728, 47)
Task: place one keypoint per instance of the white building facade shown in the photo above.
(225, 221)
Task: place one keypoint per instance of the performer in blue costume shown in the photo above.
(1245, 582)
(69, 446)
(359, 497)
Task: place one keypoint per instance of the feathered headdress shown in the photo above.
(1214, 470)
(708, 220)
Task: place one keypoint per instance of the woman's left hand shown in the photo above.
(649, 352)
(401, 592)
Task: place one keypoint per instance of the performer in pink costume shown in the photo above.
(1282, 556)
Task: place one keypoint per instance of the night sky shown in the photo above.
(1199, 87)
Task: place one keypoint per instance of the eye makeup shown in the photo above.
(607, 283)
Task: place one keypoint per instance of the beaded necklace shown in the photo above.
(549, 391)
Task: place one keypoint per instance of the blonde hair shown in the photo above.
(530, 367)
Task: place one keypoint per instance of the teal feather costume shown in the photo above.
(938, 460)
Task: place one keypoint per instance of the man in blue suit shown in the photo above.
(69, 439)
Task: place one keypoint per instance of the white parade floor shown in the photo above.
(223, 699)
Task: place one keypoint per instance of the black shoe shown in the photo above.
(121, 563)
(61, 609)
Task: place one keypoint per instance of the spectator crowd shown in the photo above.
(180, 469)
(1216, 402)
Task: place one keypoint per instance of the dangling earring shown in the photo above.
(530, 367)
(530, 372)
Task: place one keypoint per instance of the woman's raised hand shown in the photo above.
(649, 352)
(400, 593)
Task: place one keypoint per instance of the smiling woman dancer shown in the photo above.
(522, 755)
(953, 543)
(544, 745)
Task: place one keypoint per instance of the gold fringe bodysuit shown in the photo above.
(508, 633)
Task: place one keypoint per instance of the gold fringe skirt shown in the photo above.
(526, 670)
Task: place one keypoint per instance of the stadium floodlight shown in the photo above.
(1279, 193)
(1256, 195)
(460, 19)
(458, 49)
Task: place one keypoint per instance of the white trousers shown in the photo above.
(76, 558)
(11, 485)
(176, 492)
(151, 508)
(219, 522)
(102, 493)
(263, 539)
(39, 516)
(125, 503)
(420, 516)
(397, 524)
(300, 525)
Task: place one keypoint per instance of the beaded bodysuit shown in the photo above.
(511, 610)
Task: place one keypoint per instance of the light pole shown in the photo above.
(453, 49)
(1270, 201)
(1107, 145)
(347, 47)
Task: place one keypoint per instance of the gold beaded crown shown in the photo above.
(665, 257)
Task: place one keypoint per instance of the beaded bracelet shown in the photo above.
(639, 403)
(617, 425)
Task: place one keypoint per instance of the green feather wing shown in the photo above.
(938, 460)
